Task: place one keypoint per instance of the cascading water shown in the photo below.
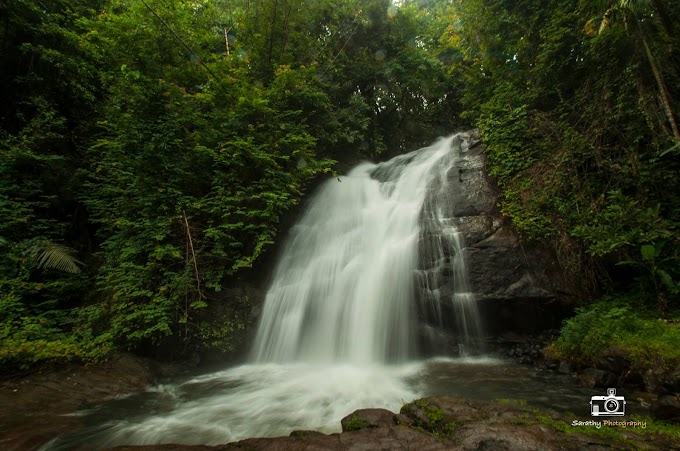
(344, 288)
(442, 273)
(363, 267)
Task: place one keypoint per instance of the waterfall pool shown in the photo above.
(274, 399)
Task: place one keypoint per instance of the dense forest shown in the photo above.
(149, 150)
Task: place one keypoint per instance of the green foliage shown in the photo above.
(164, 157)
(622, 324)
(55, 256)
(136, 140)
(504, 125)
(578, 129)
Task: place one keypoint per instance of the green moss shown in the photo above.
(671, 431)
(513, 402)
(435, 416)
(449, 427)
(355, 423)
(559, 425)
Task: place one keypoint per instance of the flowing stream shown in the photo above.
(338, 331)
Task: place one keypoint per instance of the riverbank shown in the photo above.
(39, 407)
(36, 408)
(451, 423)
(614, 342)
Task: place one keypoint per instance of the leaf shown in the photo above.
(667, 280)
(648, 252)
(676, 146)
(55, 256)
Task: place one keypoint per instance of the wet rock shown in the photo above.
(367, 418)
(653, 379)
(40, 403)
(564, 368)
(667, 408)
(403, 420)
(526, 360)
(305, 433)
(614, 360)
(552, 365)
(671, 383)
(519, 287)
(593, 377)
(447, 423)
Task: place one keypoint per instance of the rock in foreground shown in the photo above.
(448, 423)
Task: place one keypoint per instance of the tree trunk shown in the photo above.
(662, 89)
(272, 31)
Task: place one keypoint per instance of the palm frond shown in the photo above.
(636, 6)
(55, 256)
(607, 17)
(592, 26)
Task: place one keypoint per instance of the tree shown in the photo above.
(635, 15)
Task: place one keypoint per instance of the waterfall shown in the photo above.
(345, 288)
(442, 273)
(375, 259)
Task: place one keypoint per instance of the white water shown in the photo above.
(442, 250)
(343, 290)
(338, 327)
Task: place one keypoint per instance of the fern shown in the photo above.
(55, 256)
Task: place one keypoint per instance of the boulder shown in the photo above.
(614, 360)
(367, 418)
(564, 368)
(666, 408)
(449, 423)
(593, 377)
(671, 383)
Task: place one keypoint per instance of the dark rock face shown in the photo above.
(512, 282)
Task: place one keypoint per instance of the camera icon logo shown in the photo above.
(608, 406)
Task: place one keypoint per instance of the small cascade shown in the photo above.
(446, 299)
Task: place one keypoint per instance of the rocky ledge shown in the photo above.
(451, 423)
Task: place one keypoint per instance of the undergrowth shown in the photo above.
(622, 324)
